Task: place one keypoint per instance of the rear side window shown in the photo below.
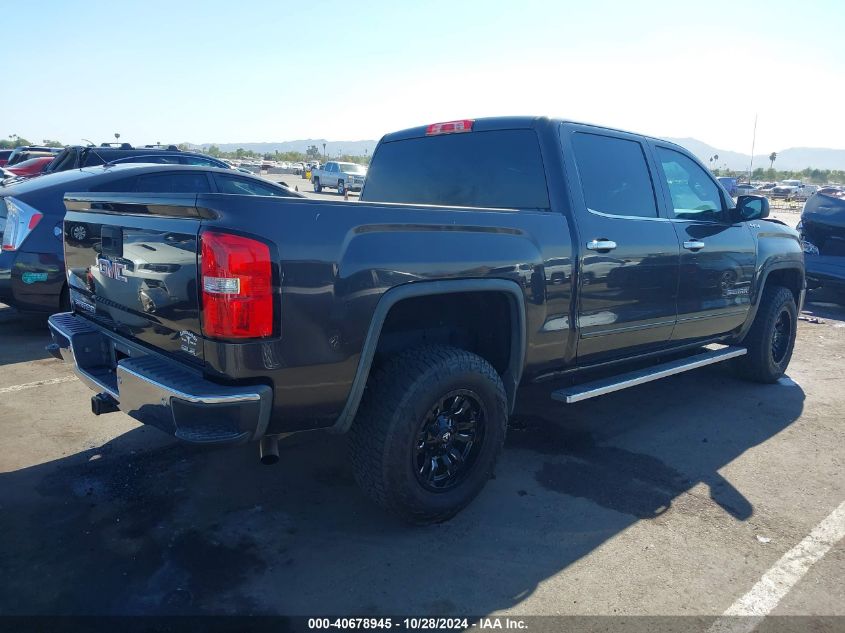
(614, 175)
(194, 182)
(244, 186)
(64, 161)
(93, 158)
(199, 161)
(501, 168)
(116, 186)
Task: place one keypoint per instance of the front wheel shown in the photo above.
(771, 339)
(429, 432)
(341, 189)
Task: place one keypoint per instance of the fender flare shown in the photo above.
(511, 376)
(764, 277)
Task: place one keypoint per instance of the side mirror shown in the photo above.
(751, 208)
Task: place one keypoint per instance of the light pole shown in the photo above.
(324, 153)
(117, 137)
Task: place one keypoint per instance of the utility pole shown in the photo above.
(753, 141)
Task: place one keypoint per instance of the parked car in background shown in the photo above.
(31, 167)
(77, 156)
(411, 320)
(822, 229)
(745, 188)
(729, 184)
(787, 189)
(20, 154)
(4, 156)
(32, 276)
(341, 176)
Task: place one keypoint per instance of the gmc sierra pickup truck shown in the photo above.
(484, 255)
(341, 176)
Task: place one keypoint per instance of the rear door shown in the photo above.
(628, 251)
(134, 268)
(718, 256)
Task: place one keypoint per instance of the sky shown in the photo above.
(262, 70)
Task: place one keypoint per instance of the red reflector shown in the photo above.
(449, 127)
(237, 286)
(34, 219)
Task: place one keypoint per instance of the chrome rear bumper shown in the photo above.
(158, 391)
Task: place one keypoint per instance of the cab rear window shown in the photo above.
(501, 169)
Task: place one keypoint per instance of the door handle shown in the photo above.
(693, 245)
(601, 245)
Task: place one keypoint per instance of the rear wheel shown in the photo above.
(341, 189)
(429, 432)
(771, 339)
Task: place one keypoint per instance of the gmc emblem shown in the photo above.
(111, 269)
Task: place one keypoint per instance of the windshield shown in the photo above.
(352, 168)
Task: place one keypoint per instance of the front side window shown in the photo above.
(694, 194)
(614, 175)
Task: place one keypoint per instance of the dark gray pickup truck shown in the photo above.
(483, 256)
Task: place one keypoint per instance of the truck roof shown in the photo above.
(487, 124)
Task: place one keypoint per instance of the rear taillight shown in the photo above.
(237, 286)
(21, 219)
(449, 127)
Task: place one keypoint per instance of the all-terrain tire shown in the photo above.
(771, 339)
(400, 398)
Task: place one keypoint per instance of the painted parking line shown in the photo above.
(748, 612)
(39, 383)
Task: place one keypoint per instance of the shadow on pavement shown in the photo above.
(144, 525)
(825, 304)
(22, 336)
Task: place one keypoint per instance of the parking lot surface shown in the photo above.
(673, 498)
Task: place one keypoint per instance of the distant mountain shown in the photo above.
(794, 158)
(333, 148)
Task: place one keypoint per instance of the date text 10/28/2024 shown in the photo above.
(417, 624)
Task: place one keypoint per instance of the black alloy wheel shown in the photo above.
(449, 440)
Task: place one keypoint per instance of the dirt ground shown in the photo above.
(674, 497)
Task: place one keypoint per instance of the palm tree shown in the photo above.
(772, 157)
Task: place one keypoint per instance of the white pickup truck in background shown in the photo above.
(341, 176)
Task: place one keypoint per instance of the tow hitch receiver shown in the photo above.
(103, 403)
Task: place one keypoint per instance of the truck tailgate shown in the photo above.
(133, 268)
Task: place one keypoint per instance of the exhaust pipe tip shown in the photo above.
(268, 450)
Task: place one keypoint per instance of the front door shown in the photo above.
(717, 256)
(629, 254)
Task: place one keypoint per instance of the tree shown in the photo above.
(48, 143)
(772, 157)
(213, 150)
(14, 141)
(312, 152)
